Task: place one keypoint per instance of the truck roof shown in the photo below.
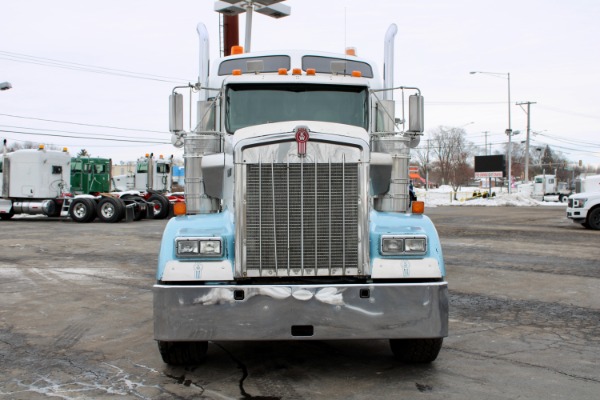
(329, 68)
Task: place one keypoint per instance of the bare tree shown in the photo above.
(452, 154)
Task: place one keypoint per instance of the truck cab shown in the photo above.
(297, 223)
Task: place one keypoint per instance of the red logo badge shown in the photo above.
(301, 139)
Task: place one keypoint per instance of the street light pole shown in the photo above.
(509, 130)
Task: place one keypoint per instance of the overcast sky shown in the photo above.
(105, 69)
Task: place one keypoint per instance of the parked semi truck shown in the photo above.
(548, 188)
(297, 222)
(150, 174)
(584, 207)
(50, 182)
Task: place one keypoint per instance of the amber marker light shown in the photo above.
(311, 71)
(236, 72)
(179, 208)
(237, 50)
(282, 71)
(356, 74)
(350, 51)
(418, 207)
(296, 71)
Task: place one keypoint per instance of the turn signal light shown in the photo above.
(179, 208)
(418, 207)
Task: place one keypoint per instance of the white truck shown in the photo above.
(38, 182)
(150, 174)
(297, 223)
(34, 181)
(584, 208)
(548, 188)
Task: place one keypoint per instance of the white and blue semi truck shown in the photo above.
(297, 222)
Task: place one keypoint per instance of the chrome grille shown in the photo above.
(301, 219)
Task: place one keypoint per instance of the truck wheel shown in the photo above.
(416, 350)
(182, 353)
(110, 209)
(593, 219)
(161, 206)
(563, 199)
(82, 210)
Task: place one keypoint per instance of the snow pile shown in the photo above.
(444, 196)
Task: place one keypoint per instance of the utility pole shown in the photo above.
(427, 168)
(529, 103)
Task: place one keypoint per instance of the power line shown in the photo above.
(80, 123)
(50, 62)
(84, 138)
(65, 131)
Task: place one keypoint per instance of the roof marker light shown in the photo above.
(311, 71)
(297, 71)
(236, 72)
(41, 147)
(356, 74)
(351, 51)
(237, 50)
(282, 71)
(65, 150)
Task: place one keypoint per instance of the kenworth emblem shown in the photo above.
(301, 138)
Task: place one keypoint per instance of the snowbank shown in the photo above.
(443, 196)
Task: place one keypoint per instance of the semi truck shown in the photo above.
(297, 224)
(548, 188)
(52, 183)
(583, 207)
(150, 174)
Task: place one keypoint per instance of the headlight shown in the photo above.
(415, 245)
(579, 203)
(403, 245)
(391, 245)
(199, 247)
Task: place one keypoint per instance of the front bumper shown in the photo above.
(307, 312)
(577, 214)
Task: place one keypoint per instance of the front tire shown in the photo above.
(416, 351)
(593, 219)
(182, 353)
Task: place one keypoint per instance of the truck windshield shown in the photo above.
(248, 105)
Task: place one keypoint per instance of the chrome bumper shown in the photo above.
(314, 312)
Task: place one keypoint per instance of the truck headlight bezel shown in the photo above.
(397, 245)
(199, 247)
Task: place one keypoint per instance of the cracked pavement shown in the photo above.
(76, 320)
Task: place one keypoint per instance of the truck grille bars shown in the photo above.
(301, 219)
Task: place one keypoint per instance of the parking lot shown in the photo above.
(76, 319)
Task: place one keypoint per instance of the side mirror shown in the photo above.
(415, 114)
(176, 112)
